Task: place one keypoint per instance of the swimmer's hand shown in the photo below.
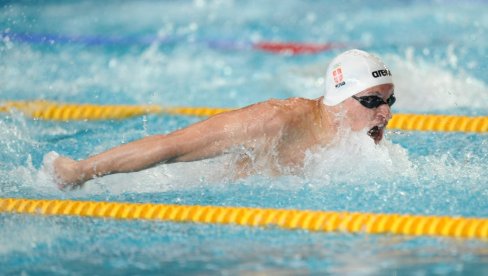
(68, 173)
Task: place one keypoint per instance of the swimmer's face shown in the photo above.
(375, 119)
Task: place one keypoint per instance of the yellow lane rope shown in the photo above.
(58, 111)
(414, 225)
(47, 110)
(439, 123)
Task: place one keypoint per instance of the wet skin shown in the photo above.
(277, 133)
(375, 120)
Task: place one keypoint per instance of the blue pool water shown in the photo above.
(198, 53)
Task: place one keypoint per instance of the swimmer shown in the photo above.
(273, 133)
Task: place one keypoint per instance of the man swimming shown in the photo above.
(268, 136)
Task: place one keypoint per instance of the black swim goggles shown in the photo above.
(374, 101)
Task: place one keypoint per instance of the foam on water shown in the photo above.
(355, 158)
(424, 87)
(164, 178)
(21, 235)
(147, 75)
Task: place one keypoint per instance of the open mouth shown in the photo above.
(376, 133)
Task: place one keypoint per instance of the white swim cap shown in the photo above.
(352, 72)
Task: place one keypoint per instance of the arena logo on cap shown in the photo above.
(381, 73)
(338, 78)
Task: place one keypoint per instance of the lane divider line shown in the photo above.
(321, 221)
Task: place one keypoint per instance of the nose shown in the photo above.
(384, 111)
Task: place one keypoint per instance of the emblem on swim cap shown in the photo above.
(352, 72)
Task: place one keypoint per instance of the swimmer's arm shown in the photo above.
(216, 135)
(205, 139)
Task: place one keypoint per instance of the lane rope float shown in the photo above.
(321, 221)
(47, 110)
(421, 122)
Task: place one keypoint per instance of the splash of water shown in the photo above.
(355, 158)
(423, 86)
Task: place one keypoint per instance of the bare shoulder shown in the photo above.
(293, 109)
(267, 117)
(281, 107)
(280, 114)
